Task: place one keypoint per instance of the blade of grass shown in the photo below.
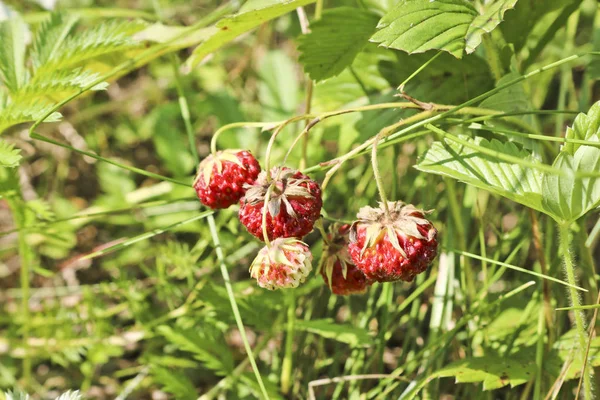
(489, 260)
(36, 136)
(145, 236)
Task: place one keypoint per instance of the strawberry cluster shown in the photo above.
(390, 243)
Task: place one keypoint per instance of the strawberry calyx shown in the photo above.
(403, 220)
(284, 186)
(207, 166)
(335, 249)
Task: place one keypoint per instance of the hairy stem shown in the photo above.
(378, 179)
(565, 244)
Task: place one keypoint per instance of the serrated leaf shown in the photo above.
(486, 22)
(329, 329)
(50, 37)
(70, 396)
(585, 127)
(58, 85)
(9, 156)
(512, 181)
(23, 110)
(493, 370)
(12, 52)
(335, 40)
(16, 395)
(455, 26)
(566, 197)
(214, 355)
(229, 28)
(174, 382)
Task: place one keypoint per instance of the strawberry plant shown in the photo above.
(175, 176)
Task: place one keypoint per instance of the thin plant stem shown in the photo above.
(378, 179)
(565, 247)
(587, 349)
(236, 312)
(265, 212)
(25, 286)
(215, 137)
(286, 366)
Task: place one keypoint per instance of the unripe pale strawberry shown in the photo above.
(294, 204)
(337, 269)
(284, 264)
(395, 247)
(221, 177)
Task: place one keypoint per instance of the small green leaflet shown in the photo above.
(512, 181)
(455, 26)
(229, 28)
(9, 156)
(335, 40)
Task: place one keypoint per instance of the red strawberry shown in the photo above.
(221, 177)
(337, 268)
(294, 204)
(395, 247)
(284, 264)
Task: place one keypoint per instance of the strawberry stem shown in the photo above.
(215, 137)
(378, 179)
(265, 210)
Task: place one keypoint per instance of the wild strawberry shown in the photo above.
(392, 247)
(337, 269)
(294, 204)
(284, 264)
(221, 177)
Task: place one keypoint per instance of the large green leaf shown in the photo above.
(566, 196)
(247, 19)
(416, 26)
(493, 370)
(512, 181)
(335, 40)
(344, 333)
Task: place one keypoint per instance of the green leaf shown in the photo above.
(9, 156)
(512, 181)
(585, 127)
(204, 346)
(105, 38)
(59, 85)
(567, 347)
(568, 197)
(70, 396)
(513, 99)
(249, 18)
(493, 370)
(16, 395)
(25, 111)
(50, 37)
(486, 22)
(335, 40)
(416, 26)
(174, 382)
(277, 93)
(12, 52)
(329, 329)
